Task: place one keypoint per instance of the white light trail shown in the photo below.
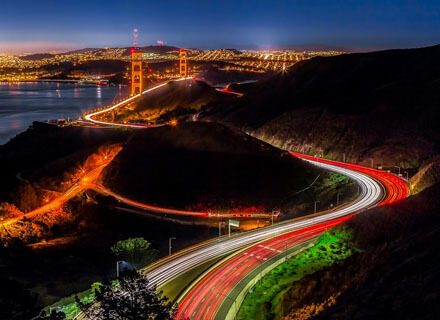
(169, 268)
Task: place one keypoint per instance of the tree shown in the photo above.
(53, 315)
(26, 197)
(132, 298)
(135, 250)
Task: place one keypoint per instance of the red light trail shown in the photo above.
(204, 299)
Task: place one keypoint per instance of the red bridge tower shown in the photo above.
(136, 67)
(183, 64)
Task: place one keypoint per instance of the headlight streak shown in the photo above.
(371, 194)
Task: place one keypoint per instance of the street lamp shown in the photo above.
(398, 169)
(117, 268)
(125, 266)
(271, 215)
(407, 175)
(219, 228)
(169, 244)
(337, 198)
(316, 202)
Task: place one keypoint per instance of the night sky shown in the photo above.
(41, 25)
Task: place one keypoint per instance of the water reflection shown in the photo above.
(23, 103)
(75, 90)
(58, 90)
(98, 92)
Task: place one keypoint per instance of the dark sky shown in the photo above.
(354, 25)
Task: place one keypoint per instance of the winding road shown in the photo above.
(219, 292)
(215, 293)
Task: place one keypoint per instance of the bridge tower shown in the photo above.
(183, 63)
(136, 67)
(136, 72)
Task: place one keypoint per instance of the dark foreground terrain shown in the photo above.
(196, 165)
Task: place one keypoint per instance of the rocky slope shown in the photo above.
(427, 176)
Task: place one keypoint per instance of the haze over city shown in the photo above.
(344, 25)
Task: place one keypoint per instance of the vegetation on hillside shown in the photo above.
(264, 302)
(131, 298)
(136, 251)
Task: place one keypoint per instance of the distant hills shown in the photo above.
(38, 56)
(148, 49)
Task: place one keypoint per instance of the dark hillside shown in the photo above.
(37, 56)
(382, 105)
(191, 94)
(187, 96)
(205, 165)
(47, 150)
(215, 74)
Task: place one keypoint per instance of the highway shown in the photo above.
(84, 183)
(216, 287)
(376, 188)
(372, 193)
(170, 211)
(218, 293)
(246, 251)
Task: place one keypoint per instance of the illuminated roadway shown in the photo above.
(161, 210)
(205, 298)
(371, 193)
(91, 116)
(219, 292)
(80, 186)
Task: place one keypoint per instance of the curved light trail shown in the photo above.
(162, 210)
(165, 270)
(90, 117)
(210, 296)
(202, 301)
(81, 185)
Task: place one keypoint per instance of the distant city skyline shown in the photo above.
(47, 25)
